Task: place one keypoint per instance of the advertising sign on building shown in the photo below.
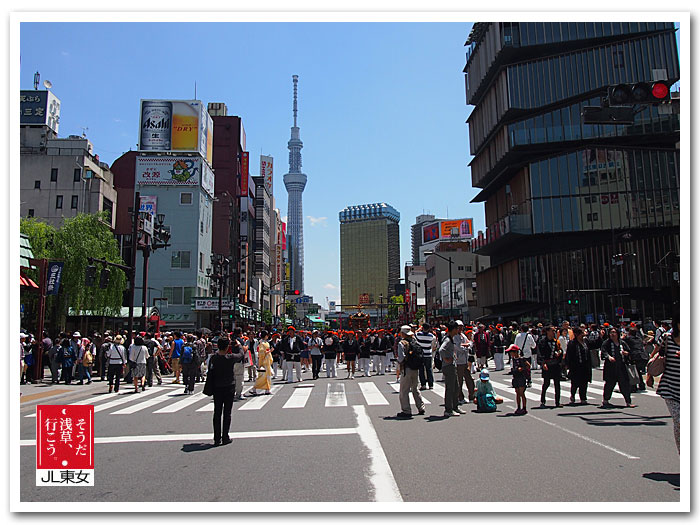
(363, 299)
(170, 171)
(208, 179)
(245, 158)
(266, 171)
(431, 232)
(278, 263)
(284, 238)
(176, 125)
(39, 108)
(211, 304)
(462, 229)
(149, 204)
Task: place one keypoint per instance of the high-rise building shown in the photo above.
(417, 237)
(370, 265)
(582, 220)
(295, 182)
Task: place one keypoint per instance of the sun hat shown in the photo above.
(406, 330)
(484, 375)
(118, 339)
(76, 334)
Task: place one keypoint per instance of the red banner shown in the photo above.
(244, 174)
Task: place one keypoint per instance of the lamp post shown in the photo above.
(151, 243)
(219, 272)
(449, 260)
(617, 260)
(381, 310)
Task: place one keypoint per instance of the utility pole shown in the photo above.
(132, 275)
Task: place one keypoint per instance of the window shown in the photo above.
(178, 294)
(30, 213)
(469, 268)
(180, 260)
(460, 268)
(77, 173)
(59, 202)
(185, 198)
(37, 184)
(74, 202)
(590, 217)
(107, 206)
(54, 174)
(201, 227)
(201, 262)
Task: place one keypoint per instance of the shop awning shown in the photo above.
(26, 281)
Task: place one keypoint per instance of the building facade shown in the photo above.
(262, 242)
(370, 265)
(573, 209)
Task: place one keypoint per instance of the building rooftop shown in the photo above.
(363, 212)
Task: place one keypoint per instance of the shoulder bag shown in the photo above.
(657, 364)
(209, 382)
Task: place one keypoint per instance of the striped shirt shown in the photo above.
(670, 384)
(426, 341)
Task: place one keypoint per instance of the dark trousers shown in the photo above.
(556, 377)
(223, 402)
(624, 388)
(449, 372)
(464, 375)
(316, 365)
(641, 370)
(582, 386)
(114, 375)
(425, 372)
(188, 374)
(67, 374)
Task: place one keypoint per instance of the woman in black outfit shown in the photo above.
(220, 374)
(578, 363)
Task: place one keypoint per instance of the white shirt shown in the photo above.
(526, 343)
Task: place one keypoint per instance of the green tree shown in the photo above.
(80, 237)
(290, 309)
(420, 314)
(267, 317)
(394, 307)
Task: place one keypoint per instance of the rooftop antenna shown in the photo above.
(195, 90)
(295, 79)
(48, 84)
(84, 130)
(36, 80)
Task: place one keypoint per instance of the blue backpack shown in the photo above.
(485, 403)
(187, 355)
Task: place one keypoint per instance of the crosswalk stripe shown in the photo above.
(89, 401)
(397, 388)
(256, 403)
(179, 405)
(298, 398)
(439, 390)
(126, 398)
(372, 394)
(567, 386)
(168, 396)
(335, 395)
(530, 395)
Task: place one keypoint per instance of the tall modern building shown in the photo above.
(370, 265)
(574, 212)
(295, 182)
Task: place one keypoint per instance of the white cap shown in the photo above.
(405, 329)
(76, 334)
(459, 322)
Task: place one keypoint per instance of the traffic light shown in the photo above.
(639, 93)
(570, 299)
(104, 278)
(293, 292)
(90, 274)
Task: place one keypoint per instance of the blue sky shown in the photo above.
(381, 107)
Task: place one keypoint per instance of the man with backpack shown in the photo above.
(410, 359)
(189, 361)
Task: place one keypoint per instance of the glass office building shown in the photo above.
(563, 198)
(369, 253)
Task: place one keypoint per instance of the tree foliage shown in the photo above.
(290, 309)
(80, 237)
(394, 307)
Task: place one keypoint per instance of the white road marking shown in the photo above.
(566, 386)
(208, 436)
(397, 388)
(381, 477)
(372, 394)
(529, 395)
(585, 438)
(438, 389)
(298, 398)
(148, 403)
(179, 405)
(335, 395)
(257, 402)
(88, 401)
(126, 398)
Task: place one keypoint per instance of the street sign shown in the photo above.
(276, 292)
(619, 311)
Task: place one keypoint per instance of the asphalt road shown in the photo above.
(336, 440)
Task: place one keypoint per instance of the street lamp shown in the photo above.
(159, 239)
(449, 260)
(381, 309)
(617, 260)
(219, 272)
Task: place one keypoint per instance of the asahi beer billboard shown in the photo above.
(176, 125)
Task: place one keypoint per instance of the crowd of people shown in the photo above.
(413, 353)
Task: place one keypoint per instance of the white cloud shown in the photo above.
(317, 220)
(329, 286)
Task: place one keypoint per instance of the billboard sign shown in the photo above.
(149, 204)
(40, 108)
(461, 229)
(169, 171)
(431, 232)
(245, 157)
(266, 171)
(208, 179)
(176, 125)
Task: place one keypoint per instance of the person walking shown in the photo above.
(428, 343)
(116, 361)
(189, 363)
(221, 377)
(548, 350)
(350, 349)
(68, 357)
(237, 346)
(670, 384)
(462, 349)
(264, 379)
(276, 355)
(54, 363)
(315, 344)
(526, 343)
(102, 360)
(291, 346)
(85, 360)
(482, 345)
(155, 352)
(138, 353)
(365, 354)
(449, 371)
(579, 365)
(499, 347)
(521, 376)
(613, 354)
(175, 350)
(638, 356)
(330, 350)
(410, 359)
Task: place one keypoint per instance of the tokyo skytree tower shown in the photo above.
(295, 182)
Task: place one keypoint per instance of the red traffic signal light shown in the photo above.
(293, 292)
(296, 292)
(639, 93)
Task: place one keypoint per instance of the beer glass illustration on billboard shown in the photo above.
(156, 120)
(185, 127)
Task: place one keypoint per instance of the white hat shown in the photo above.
(405, 329)
(459, 322)
(76, 334)
(22, 335)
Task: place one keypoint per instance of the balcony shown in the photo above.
(502, 232)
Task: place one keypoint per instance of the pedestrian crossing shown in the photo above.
(169, 399)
